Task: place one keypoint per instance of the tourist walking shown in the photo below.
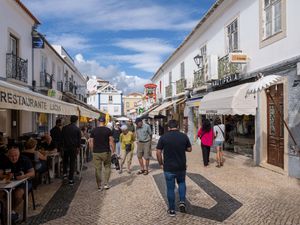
(116, 135)
(102, 144)
(71, 143)
(174, 146)
(206, 136)
(143, 136)
(219, 134)
(127, 146)
(56, 135)
(130, 126)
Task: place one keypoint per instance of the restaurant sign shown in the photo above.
(226, 80)
(19, 100)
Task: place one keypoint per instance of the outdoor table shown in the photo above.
(8, 188)
(52, 157)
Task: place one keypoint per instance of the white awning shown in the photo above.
(19, 98)
(229, 101)
(88, 113)
(165, 105)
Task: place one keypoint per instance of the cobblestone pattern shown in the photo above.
(266, 197)
(57, 206)
(225, 205)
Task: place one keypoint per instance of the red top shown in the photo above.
(206, 137)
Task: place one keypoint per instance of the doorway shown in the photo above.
(275, 131)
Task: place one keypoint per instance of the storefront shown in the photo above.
(237, 111)
(24, 111)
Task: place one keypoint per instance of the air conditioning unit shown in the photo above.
(210, 64)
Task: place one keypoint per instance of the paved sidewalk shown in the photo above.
(236, 194)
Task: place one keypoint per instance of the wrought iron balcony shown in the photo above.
(227, 68)
(169, 91)
(69, 87)
(46, 80)
(180, 86)
(199, 78)
(16, 68)
(60, 86)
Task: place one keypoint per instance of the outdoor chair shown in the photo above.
(1, 213)
(30, 192)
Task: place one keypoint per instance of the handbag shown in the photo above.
(128, 148)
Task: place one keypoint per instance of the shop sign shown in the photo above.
(236, 57)
(226, 80)
(10, 99)
(37, 42)
(54, 94)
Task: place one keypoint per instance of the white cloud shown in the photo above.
(148, 53)
(126, 83)
(70, 41)
(115, 15)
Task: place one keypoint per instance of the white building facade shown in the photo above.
(105, 97)
(233, 42)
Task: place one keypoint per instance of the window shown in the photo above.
(232, 36)
(105, 108)
(44, 64)
(110, 98)
(116, 109)
(273, 25)
(170, 78)
(13, 45)
(182, 71)
(272, 17)
(127, 105)
(203, 51)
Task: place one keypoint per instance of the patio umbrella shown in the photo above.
(262, 84)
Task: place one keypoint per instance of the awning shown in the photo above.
(230, 101)
(15, 97)
(193, 102)
(88, 113)
(164, 106)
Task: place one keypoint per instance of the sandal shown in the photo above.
(146, 172)
(140, 172)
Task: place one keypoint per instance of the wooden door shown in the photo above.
(275, 125)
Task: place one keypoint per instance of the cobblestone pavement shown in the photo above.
(236, 194)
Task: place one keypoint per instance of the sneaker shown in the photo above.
(120, 171)
(15, 217)
(171, 213)
(107, 186)
(182, 207)
(71, 182)
(100, 188)
(65, 177)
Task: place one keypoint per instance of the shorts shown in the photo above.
(219, 143)
(144, 150)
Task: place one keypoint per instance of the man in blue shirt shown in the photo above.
(173, 145)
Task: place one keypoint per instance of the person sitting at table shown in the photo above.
(39, 159)
(17, 167)
(47, 144)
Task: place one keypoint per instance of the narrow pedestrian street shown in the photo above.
(236, 194)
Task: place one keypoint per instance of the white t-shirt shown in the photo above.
(218, 132)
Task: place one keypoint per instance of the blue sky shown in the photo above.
(124, 41)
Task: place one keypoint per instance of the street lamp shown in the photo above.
(198, 60)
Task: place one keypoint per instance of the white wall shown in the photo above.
(212, 33)
(20, 25)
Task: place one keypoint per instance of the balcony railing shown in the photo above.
(199, 79)
(227, 68)
(46, 80)
(69, 87)
(180, 85)
(169, 91)
(16, 68)
(60, 86)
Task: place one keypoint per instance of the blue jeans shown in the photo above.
(118, 146)
(170, 181)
